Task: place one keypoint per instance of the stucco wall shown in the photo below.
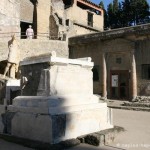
(117, 48)
(80, 15)
(79, 30)
(92, 50)
(113, 49)
(142, 57)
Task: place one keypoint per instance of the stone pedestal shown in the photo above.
(63, 105)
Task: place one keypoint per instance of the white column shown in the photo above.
(104, 77)
(133, 77)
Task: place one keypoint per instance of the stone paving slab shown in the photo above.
(102, 138)
(4, 145)
(135, 137)
(118, 104)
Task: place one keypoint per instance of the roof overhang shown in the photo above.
(135, 33)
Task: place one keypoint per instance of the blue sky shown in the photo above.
(106, 2)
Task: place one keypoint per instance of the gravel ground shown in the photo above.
(136, 136)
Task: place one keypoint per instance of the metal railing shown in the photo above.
(22, 35)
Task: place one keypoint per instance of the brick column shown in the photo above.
(133, 77)
(104, 77)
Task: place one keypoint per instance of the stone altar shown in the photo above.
(57, 102)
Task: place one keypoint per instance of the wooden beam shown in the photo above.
(84, 2)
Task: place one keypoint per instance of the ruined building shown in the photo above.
(52, 19)
(121, 58)
(57, 100)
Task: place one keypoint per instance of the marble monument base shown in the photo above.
(57, 101)
(49, 120)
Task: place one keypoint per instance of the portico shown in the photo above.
(121, 58)
(120, 80)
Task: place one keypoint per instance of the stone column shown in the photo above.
(133, 77)
(104, 77)
(43, 18)
(75, 2)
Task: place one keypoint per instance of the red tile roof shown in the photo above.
(88, 1)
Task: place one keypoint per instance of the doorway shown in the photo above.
(119, 84)
(24, 26)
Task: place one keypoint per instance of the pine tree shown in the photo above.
(144, 13)
(112, 11)
(120, 16)
(139, 11)
(115, 6)
(110, 15)
(101, 4)
(127, 13)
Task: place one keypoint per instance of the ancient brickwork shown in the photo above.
(9, 17)
(26, 11)
(43, 17)
(30, 48)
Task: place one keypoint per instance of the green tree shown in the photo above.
(120, 16)
(101, 4)
(113, 9)
(110, 15)
(139, 11)
(127, 13)
(115, 6)
(115, 14)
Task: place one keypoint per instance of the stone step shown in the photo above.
(101, 138)
(55, 101)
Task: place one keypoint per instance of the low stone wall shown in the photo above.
(29, 48)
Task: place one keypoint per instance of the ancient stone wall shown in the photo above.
(26, 11)
(142, 58)
(92, 50)
(79, 30)
(9, 17)
(113, 49)
(72, 21)
(43, 18)
(36, 47)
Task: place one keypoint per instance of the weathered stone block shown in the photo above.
(66, 107)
